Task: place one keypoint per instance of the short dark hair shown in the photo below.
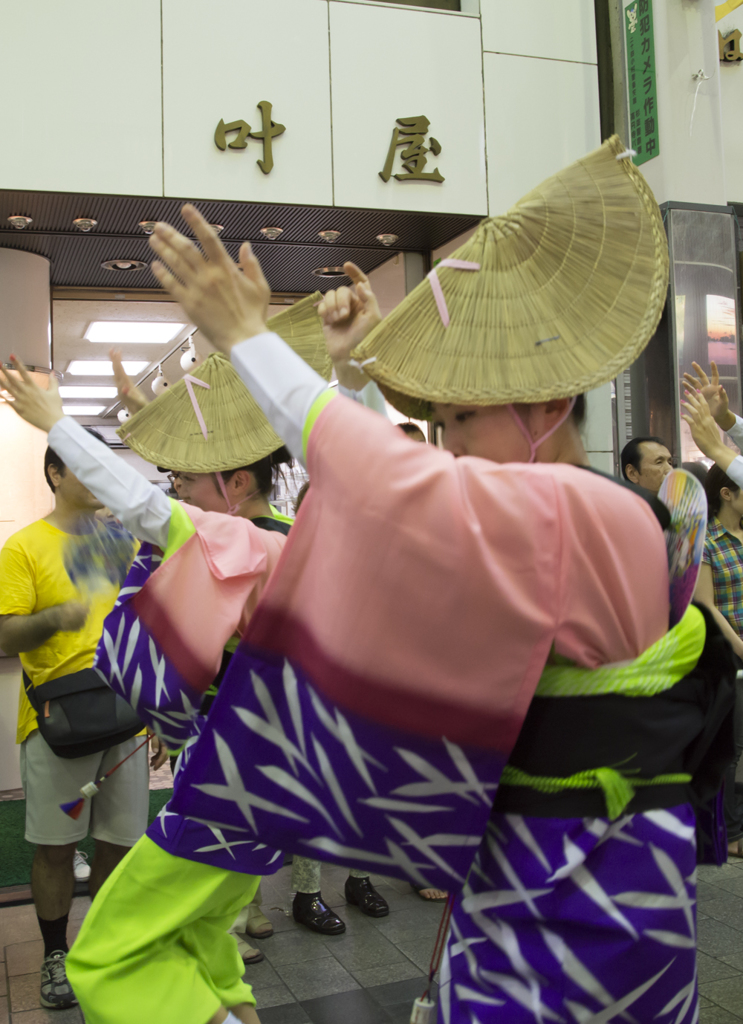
(717, 479)
(410, 429)
(632, 455)
(52, 459)
(697, 469)
(265, 471)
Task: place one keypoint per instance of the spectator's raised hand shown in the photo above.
(131, 397)
(704, 430)
(713, 392)
(227, 302)
(40, 408)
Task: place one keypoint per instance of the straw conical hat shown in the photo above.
(168, 433)
(571, 286)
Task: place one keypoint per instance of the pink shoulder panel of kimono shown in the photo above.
(205, 591)
(413, 579)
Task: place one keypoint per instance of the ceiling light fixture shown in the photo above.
(132, 332)
(189, 357)
(387, 239)
(124, 265)
(84, 223)
(19, 222)
(159, 384)
(83, 410)
(104, 367)
(329, 236)
(329, 272)
(83, 391)
(148, 226)
(219, 228)
(272, 233)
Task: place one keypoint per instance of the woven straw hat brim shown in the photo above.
(571, 286)
(167, 431)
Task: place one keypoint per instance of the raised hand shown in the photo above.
(713, 392)
(704, 430)
(348, 315)
(227, 302)
(131, 397)
(40, 408)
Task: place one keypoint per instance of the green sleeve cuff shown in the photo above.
(315, 409)
(180, 530)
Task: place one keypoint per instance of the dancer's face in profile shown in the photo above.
(487, 431)
(198, 489)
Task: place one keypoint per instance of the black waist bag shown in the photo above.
(79, 714)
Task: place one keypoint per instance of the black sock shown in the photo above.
(54, 934)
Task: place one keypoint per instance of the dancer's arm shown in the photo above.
(707, 437)
(141, 506)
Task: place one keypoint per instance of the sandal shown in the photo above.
(248, 954)
(258, 926)
(735, 849)
(420, 889)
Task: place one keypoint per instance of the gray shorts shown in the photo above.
(117, 814)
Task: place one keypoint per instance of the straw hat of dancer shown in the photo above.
(552, 299)
(209, 422)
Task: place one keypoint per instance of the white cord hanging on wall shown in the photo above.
(698, 77)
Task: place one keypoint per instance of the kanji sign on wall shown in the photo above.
(641, 87)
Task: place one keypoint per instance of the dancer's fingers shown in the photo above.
(206, 234)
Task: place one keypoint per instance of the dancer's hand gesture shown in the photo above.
(704, 430)
(131, 397)
(713, 392)
(348, 315)
(40, 408)
(227, 302)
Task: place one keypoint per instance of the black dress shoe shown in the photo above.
(362, 894)
(308, 909)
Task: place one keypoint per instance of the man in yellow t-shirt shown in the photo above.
(55, 628)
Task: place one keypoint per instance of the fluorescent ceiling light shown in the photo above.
(103, 367)
(83, 410)
(82, 391)
(132, 332)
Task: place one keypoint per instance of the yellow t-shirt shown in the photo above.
(33, 577)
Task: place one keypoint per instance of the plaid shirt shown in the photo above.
(724, 553)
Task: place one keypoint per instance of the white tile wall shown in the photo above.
(80, 106)
(541, 115)
(248, 52)
(559, 29)
(412, 62)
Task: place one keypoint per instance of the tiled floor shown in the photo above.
(371, 974)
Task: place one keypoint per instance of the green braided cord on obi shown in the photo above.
(315, 409)
(657, 669)
(180, 529)
(618, 789)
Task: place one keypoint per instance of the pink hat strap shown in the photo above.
(190, 381)
(232, 509)
(438, 294)
(533, 445)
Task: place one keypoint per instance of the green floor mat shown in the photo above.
(16, 854)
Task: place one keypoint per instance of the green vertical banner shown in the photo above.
(643, 102)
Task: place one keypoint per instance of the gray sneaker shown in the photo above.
(56, 991)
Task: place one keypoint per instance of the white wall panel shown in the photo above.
(541, 116)
(247, 52)
(389, 63)
(80, 87)
(560, 29)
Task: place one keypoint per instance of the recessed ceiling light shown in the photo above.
(219, 228)
(124, 265)
(148, 226)
(83, 391)
(19, 222)
(103, 367)
(387, 239)
(83, 410)
(84, 223)
(272, 233)
(329, 236)
(329, 272)
(132, 332)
